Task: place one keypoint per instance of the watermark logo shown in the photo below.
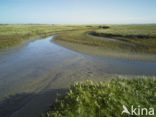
(125, 110)
(137, 111)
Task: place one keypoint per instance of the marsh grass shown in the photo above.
(131, 31)
(135, 38)
(143, 36)
(105, 99)
(11, 35)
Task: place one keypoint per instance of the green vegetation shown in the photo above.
(105, 99)
(130, 31)
(132, 38)
(11, 35)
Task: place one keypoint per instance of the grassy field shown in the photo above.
(133, 38)
(11, 35)
(105, 99)
(130, 31)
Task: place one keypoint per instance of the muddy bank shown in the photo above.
(108, 53)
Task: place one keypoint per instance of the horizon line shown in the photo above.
(75, 24)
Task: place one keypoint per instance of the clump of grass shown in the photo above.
(104, 99)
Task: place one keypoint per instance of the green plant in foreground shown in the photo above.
(105, 99)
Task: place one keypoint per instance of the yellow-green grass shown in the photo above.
(11, 35)
(133, 38)
(105, 99)
(131, 31)
(143, 36)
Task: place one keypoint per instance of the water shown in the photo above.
(43, 57)
(42, 65)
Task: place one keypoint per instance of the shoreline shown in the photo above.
(106, 53)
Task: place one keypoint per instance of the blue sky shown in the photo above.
(78, 11)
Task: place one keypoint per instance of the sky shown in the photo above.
(77, 11)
